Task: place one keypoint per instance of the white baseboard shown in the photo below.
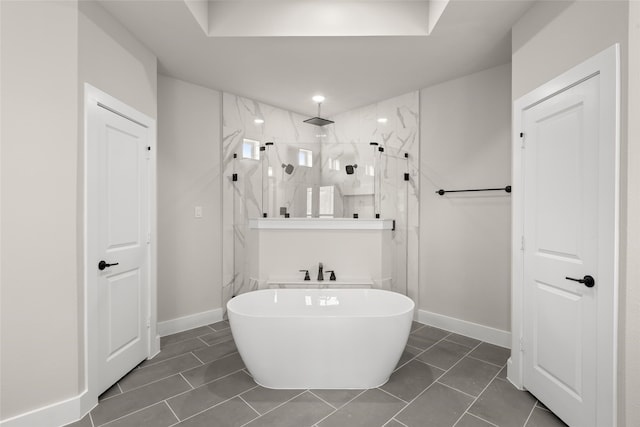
(54, 415)
(185, 323)
(463, 327)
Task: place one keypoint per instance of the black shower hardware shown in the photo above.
(288, 168)
(306, 274)
(507, 189)
(351, 169)
(234, 176)
(332, 276)
(320, 275)
(319, 121)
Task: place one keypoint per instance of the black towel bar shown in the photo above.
(507, 189)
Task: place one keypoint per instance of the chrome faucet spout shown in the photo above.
(320, 274)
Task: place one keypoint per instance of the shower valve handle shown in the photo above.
(306, 274)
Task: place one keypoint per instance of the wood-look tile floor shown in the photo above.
(198, 379)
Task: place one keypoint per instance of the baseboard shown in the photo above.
(185, 323)
(54, 415)
(463, 327)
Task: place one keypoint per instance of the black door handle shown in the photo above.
(103, 264)
(588, 281)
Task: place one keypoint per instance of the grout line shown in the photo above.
(248, 404)
(207, 383)
(171, 409)
(159, 379)
(119, 388)
(349, 401)
(393, 395)
(399, 422)
(480, 418)
(213, 406)
(309, 390)
(436, 381)
(91, 419)
(205, 343)
(490, 363)
(131, 413)
(538, 403)
(460, 391)
(153, 362)
(190, 385)
(273, 409)
(530, 414)
(199, 360)
(419, 354)
(479, 394)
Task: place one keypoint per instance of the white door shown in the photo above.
(562, 176)
(123, 257)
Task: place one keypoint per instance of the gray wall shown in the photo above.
(189, 249)
(39, 205)
(551, 38)
(465, 238)
(49, 49)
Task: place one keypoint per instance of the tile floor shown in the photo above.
(198, 379)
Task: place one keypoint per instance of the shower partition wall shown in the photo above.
(284, 167)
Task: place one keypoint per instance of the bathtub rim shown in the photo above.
(400, 312)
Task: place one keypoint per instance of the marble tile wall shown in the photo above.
(256, 192)
(377, 185)
(349, 140)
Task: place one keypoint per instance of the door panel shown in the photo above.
(123, 200)
(560, 233)
(123, 309)
(123, 187)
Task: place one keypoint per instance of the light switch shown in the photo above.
(197, 212)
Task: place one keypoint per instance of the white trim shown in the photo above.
(321, 224)
(607, 65)
(185, 323)
(56, 414)
(93, 97)
(466, 328)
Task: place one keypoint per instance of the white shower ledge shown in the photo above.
(321, 224)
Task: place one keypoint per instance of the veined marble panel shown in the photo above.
(262, 186)
(376, 187)
(394, 125)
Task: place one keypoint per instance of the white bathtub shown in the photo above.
(320, 338)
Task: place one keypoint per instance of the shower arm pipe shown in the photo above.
(442, 192)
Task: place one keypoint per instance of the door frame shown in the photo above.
(606, 64)
(94, 99)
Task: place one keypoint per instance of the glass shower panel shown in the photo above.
(393, 198)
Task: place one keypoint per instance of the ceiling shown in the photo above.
(350, 71)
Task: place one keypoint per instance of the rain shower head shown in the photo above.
(319, 121)
(288, 169)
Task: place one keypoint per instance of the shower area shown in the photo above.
(362, 167)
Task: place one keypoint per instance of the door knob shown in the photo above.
(588, 281)
(103, 264)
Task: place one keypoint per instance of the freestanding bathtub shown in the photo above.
(320, 338)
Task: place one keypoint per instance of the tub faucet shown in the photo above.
(320, 275)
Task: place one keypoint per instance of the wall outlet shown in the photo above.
(197, 212)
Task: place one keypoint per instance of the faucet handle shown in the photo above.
(333, 275)
(306, 274)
